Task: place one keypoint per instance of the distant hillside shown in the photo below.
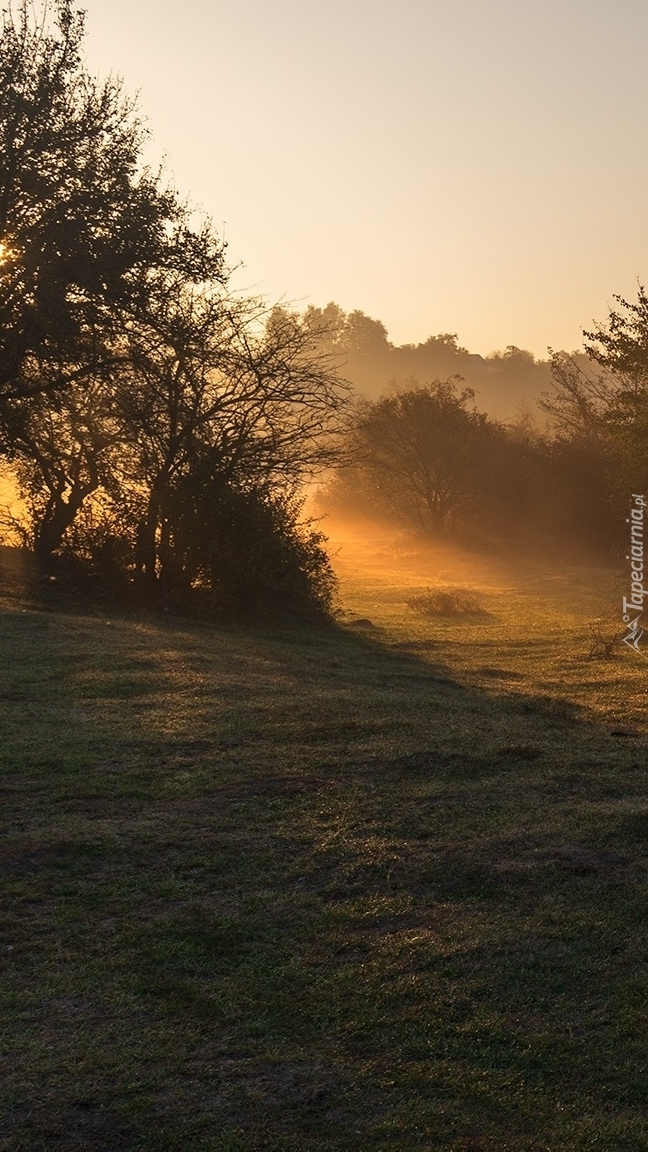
(505, 383)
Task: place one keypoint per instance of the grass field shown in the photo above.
(382, 886)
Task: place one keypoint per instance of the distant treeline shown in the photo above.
(506, 384)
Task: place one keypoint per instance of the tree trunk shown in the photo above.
(53, 528)
(147, 535)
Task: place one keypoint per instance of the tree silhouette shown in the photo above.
(82, 221)
(424, 448)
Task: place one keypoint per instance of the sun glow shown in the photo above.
(7, 253)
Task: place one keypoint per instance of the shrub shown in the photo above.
(447, 602)
(246, 550)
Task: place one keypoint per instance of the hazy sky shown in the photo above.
(472, 166)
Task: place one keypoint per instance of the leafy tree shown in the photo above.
(82, 221)
(86, 232)
(620, 347)
(590, 463)
(424, 448)
(599, 405)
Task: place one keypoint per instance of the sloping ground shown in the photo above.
(377, 887)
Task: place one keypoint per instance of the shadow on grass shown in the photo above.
(318, 894)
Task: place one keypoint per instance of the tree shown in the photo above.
(86, 233)
(621, 345)
(621, 348)
(82, 221)
(424, 448)
(199, 383)
(65, 447)
(579, 398)
(600, 403)
(592, 464)
(212, 384)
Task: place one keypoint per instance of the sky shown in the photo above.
(468, 166)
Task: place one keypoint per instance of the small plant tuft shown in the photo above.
(602, 645)
(447, 602)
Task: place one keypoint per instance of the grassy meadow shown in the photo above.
(377, 886)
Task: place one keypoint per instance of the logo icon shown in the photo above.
(633, 635)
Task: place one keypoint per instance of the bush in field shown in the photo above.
(447, 602)
(245, 550)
